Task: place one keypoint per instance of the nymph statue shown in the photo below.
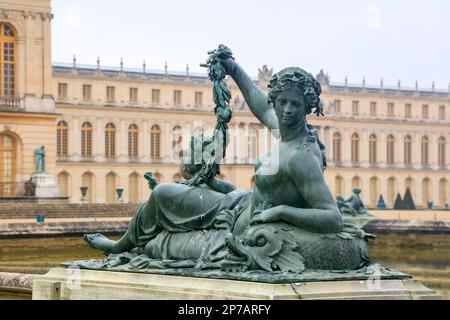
(288, 222)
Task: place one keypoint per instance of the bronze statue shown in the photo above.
(39, 159)
(353, 205)
(289, 222)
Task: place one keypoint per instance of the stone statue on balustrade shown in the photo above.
(39, 159)
(288, 223)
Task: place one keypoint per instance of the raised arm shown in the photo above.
(255, 98)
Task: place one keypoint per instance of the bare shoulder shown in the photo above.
(305, 162)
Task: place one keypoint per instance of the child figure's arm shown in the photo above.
(221, 186)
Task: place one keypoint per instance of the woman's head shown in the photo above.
(294, 93)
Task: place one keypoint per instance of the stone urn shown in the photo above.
(84, 194)
(119, 192)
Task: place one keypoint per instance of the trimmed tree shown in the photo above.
(408, 202)
(398, 202)
(381, 204)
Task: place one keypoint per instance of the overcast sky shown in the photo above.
(401, 39)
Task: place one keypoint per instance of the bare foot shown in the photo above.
(99, 242)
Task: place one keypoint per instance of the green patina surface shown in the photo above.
(287, 226)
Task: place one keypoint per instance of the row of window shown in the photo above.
(133, 141)
(392, 189)
(390, 149)
(373, 111)
(110, 140)
(133, 95)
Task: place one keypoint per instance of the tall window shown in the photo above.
(110, 94)
(133, 187)
(156, 96)
(198, 99)
(133, 143)
(133, 95)
(110, 140)
(441, 151)
(7, 61)
(426, 192)
(355, 108)
(337, 106)
(62, 91)
(391, 191)
(61, 139)
(390, 141)
(441, 112)
(373, 108)
(111, 186)
(408, 149)
(177, 142)
(443, 192)
(338, 186)
(337, 147)
(425, 111)
(424, 145)
(7, 166)
(63, 182)
(373, 148)
(177, 97)
(87, 92)
(390, 109)
(252, 145)
(155, 141)
(355, 148)
(86, 140)
(408, 112)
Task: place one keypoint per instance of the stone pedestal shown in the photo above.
(45, 185)
(76, 284)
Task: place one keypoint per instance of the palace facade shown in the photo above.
(104, 127)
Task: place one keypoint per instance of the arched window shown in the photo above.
(355, 148)
(63, 182)
(111, 185)
(155, 142)
(87, 181)
(441, 151)
(7, 166)
(133, 193)
(338, 186)
(337, 147)
(424, 147)
(7, 61)
(374, 191)
(356, 182)
(252, 145)
(426, 192)
(177, 142)
(391, 191)
(62, 139)
(443, 193)
(110, 140)
(86, 140)
(373, 148)
(408, 149)
(390, 141)
(133, 141)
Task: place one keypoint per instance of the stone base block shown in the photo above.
(76, 284)
(45, 185)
